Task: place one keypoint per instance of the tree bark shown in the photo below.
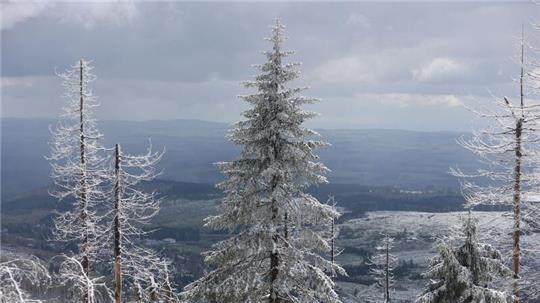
(274, 254)
(274, 257)
(517, 211)
(117, 229)
(332, 251)
(387, 274)
(83, 203)
(517, 185)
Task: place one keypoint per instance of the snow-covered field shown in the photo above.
(415, 234)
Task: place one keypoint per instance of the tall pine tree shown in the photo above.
(274, 252)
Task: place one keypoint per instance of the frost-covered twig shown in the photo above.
(78, 166)
(72, 274)
(508, 148)
(136, 266)
(21, 276)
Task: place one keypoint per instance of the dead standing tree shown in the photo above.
(134, 208)
(506, 147)
(77, 166)
(383, 264)
(334, 251)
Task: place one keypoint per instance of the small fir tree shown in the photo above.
(465, 274)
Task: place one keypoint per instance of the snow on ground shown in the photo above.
(415, 234)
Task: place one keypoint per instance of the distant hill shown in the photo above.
(371, 157)
(29, 215)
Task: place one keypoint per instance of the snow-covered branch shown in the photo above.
(20, 276)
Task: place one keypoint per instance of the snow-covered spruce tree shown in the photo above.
(134, 264)
(77, 166)
(464, 274)
(383, 263)
(20, 276)
(274, 252)
(507, 147)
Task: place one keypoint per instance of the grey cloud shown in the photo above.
(185, 60)
(87, 13)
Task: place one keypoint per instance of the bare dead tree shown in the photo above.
(133, 208)
(77, 166)
(334, 251)
(117, 229)
(507, 147)
(383, 263)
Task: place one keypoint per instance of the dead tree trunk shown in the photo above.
(83, 203)
(332, 247)
(516, 255)
(387, 274)
(286, 229)
(517, 212)
(117, 229)
(332, 202)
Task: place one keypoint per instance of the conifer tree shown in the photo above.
(274, 252)
(465, 273)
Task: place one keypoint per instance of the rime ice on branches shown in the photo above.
(136, 266)
(508, 149)
(275, 252)
(78, 167)
(464, 273)
(383, 265)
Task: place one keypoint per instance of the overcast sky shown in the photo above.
(406, 66)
